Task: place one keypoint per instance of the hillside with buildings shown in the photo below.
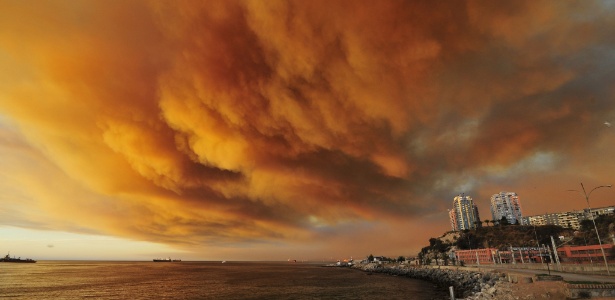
(508, 233)
(505, 208)
(502, 238)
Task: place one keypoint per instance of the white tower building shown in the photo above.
(464, 214)
(506, 204)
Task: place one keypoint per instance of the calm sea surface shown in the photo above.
(202, 280)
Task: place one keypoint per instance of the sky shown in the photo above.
(312, 130)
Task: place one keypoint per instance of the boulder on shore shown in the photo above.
(467, 284)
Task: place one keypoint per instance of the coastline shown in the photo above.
(473, 284)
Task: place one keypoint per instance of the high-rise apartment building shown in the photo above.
(570, 219)
(464, 214)
(541, 220)
(507, 205)
(596, 212)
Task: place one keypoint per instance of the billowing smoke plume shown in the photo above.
(222, 121)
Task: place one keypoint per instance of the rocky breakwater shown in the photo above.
(467, 284)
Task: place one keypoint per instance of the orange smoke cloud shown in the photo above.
(249, 120)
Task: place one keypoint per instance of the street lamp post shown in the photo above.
(593, 221)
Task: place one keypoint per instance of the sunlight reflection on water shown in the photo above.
(202, 280)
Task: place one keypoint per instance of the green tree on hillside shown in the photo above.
(437, 245)
(469, 240)
(502, 237)
(445, 258)
(587, 233)
(421, 257)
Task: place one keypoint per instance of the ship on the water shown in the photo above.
(166, 260)
(13, 259)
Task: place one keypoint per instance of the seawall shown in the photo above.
(466, 284)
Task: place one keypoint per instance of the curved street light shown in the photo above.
(593, 221)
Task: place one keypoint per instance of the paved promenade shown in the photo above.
(566, 275)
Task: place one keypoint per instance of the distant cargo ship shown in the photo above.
(166, 260)
(10, 259)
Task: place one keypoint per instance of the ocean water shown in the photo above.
(203, 280)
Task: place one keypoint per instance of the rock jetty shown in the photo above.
(467, 284)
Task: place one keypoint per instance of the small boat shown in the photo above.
(10, 259)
